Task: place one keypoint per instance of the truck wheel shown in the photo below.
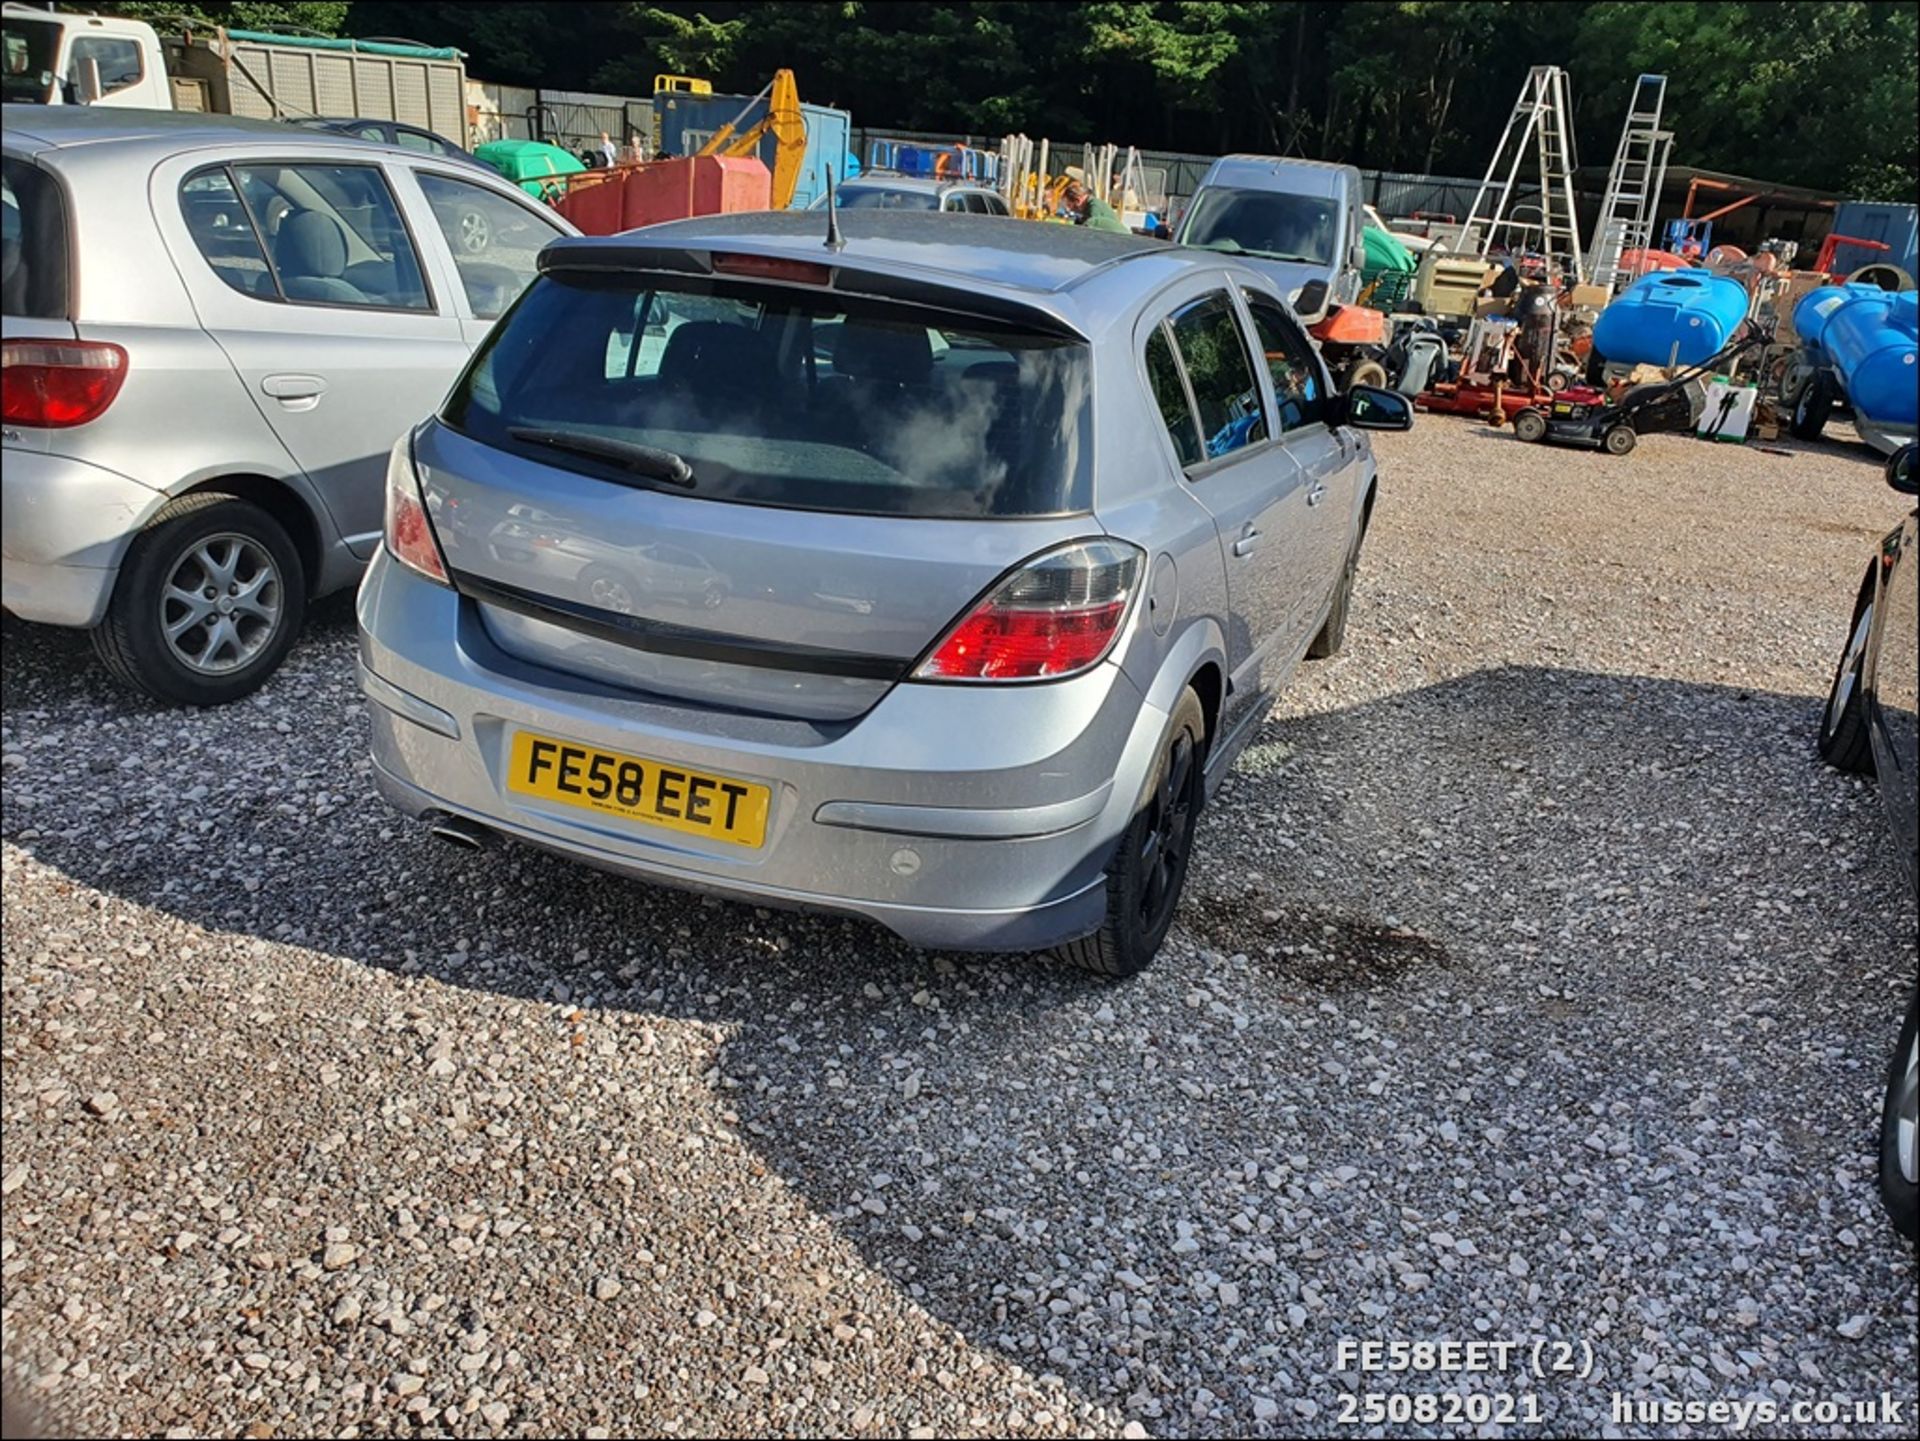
(1530, 425)
(1149, 865)
(1620, 440)
(1366, 372)
(208, 604)
(1811, 410)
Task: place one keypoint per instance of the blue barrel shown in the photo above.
(1692, 308)
(1868, 335)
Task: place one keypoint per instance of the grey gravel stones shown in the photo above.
(1533, 982)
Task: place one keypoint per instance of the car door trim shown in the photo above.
(687, 642)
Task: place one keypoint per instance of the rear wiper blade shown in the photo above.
(644, 460)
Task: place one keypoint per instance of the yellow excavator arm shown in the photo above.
(788, 125)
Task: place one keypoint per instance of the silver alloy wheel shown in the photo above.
(1849, 673)
(220, 606)
(1906, 1117)
(475, 232)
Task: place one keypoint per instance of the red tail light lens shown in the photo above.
(52, 384)
(409, 529)
(1056, 615)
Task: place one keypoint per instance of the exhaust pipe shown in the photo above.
(459, 831)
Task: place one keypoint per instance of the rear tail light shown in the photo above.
(409, 529)
(1058, 614)
(52, 384)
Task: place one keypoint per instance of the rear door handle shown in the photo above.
(1249, 538)
(1317, 494)
(296, 392)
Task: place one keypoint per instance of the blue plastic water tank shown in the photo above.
(1869, 336)
(1691, 308)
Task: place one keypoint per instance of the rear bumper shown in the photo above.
(64, 527)
(959, 818)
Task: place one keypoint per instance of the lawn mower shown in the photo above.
(1583, 416)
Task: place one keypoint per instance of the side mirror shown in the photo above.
(1311, 298)
(1900, 471)
(89, 81)
(1370, 408)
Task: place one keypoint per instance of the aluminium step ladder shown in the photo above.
(1539, 123)
(1633, 186)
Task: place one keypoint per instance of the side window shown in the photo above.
(495, 241)
(223, 229)
(1170, 394)
(1296, 381)
(307, 234)
(996, 206)
(954, 203)
(1224, 390)
(418, 140)
(976, 203)
(118, 59)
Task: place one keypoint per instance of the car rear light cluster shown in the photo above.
(53, 384)
(1059, 613)
(409, 529)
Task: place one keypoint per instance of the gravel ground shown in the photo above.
(1534, 982)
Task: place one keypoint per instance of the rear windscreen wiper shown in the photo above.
(643, 460)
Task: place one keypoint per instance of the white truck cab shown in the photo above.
(57, 58)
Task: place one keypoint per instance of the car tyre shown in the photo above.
(1899, 1127)
(1148, 870)
(1333, 634)
(1811, 410)
(1530, 425)
(240, 646)
(1844, 743)
(1366, 372)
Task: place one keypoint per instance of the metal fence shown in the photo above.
(1392, 192)
(572, 119)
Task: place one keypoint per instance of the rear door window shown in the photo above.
(1225, 393)
(34, 266)
(322, 234)
(791, 397)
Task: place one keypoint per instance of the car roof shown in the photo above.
(62, 127)
(896, 180)
(1274, 172)
(1080, 277)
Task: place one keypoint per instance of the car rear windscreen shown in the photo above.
(793, 397)
(33, 243)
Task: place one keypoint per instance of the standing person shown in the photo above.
(1089, 209)
(609, 152)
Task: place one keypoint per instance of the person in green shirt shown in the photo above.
(1090, 210)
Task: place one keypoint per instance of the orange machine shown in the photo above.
(604, 202)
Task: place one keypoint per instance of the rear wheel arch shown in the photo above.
(281, 501)
(1208, 683)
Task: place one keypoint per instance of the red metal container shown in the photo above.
(605, 202)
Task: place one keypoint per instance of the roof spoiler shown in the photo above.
(933, 290)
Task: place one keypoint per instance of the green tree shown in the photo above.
(325, 16)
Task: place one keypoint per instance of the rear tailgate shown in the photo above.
(861, 473)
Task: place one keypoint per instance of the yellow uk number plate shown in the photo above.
(638, 789)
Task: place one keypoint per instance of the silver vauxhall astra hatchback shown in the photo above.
(933, 577)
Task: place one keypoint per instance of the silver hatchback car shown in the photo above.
(931, 577)
(214, 330)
